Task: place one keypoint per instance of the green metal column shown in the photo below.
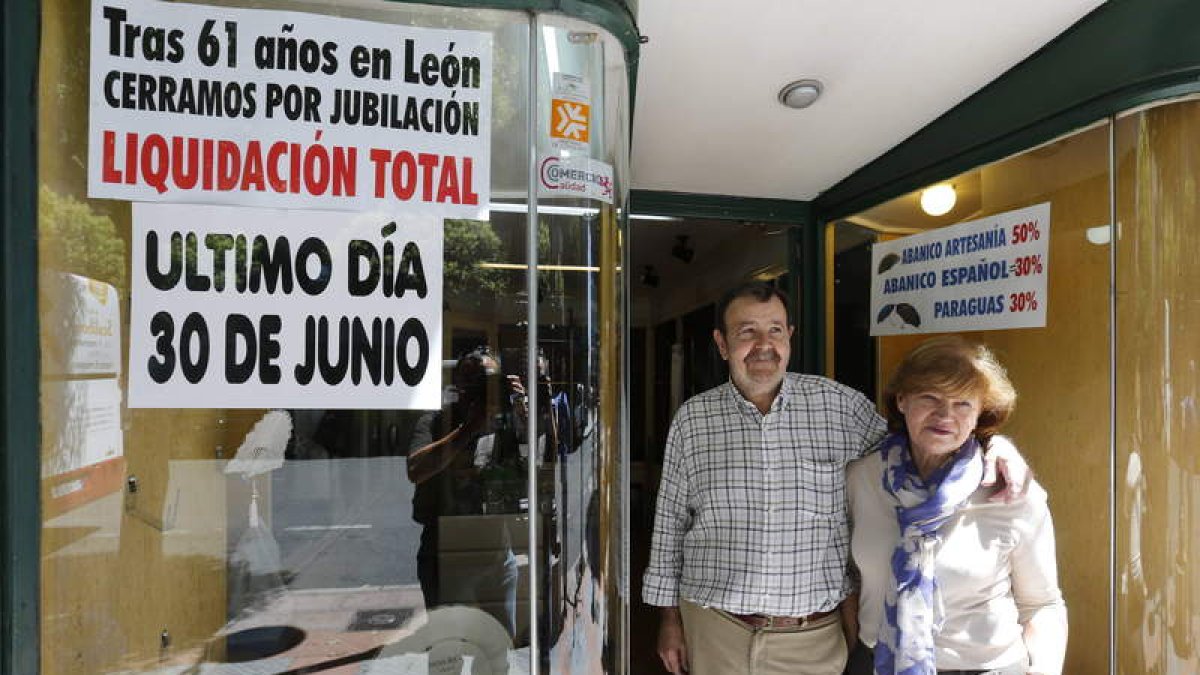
(19, 431)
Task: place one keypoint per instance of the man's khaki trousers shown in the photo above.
(719, 644)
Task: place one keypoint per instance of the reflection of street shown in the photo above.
(348, 578)
(345, 523)
(348, 545)
(580, 645)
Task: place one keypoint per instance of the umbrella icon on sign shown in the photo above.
(906, 312)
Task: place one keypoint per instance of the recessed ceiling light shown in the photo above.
(800, 94)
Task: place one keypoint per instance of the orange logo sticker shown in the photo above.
(569, 120)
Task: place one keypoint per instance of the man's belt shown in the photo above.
(766, 621)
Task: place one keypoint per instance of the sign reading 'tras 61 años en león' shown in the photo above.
(286, 109)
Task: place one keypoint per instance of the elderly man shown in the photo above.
(751, 537)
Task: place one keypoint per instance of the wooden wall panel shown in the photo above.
(1158, 390)
(158, 561)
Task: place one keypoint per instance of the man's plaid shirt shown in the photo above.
(751, 514)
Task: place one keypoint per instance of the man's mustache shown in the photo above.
(763, 355)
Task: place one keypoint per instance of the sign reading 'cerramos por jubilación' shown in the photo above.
(985, 274)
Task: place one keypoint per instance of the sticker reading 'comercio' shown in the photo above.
(986, 274)
(577, 177)
(285, 109)
(271, 308)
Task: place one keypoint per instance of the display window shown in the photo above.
(1071, 261)
(331, 338)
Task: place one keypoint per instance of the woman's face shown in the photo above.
(938, 424)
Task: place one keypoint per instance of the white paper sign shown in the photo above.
(577, 177)
(86, 424)
(264, 308)
(84, 326)
(285, 109)
(984, 274)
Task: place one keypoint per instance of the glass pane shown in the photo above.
(581, 151)
(1060, 371)
(388, 538)
(1158, 431)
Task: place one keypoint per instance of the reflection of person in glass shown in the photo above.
(464, 462)
(554, 442)
(555, 431)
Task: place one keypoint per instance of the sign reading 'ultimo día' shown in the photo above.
(236, 307)
(985, 274)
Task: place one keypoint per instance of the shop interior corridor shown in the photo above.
(681, 267)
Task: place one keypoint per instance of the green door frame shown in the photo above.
(20, 467)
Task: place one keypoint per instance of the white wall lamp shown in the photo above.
(1099, 235)
(937, 200)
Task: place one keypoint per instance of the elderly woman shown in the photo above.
(952, 580)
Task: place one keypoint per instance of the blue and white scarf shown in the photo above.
(912, 613)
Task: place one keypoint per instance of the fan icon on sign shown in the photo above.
(888, 262)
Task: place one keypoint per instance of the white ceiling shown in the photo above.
(707, 119)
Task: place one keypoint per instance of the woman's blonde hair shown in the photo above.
(953, 366)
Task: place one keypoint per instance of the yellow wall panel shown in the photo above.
(1061, 373)
(1158, 387)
